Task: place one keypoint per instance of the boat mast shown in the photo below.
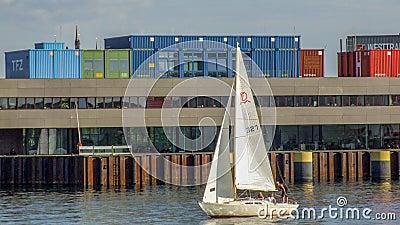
(236, 83)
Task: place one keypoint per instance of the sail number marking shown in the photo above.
(252, 129)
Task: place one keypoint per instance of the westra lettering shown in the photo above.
(378, 46)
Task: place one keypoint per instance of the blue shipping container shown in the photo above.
(142, 42)
(68, 64)
(18, 64)
(148, 69)
(165, 41)
(263, 42)
(42, 64)
(265, 60)
(118, 42)
(288, 42)
(50, 45)
(287, 63)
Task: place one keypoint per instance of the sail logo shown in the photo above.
(243, 98)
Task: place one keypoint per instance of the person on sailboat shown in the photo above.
(271, 198)
(260, 196)
(284, 192)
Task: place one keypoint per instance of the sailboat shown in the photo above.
(252, 170)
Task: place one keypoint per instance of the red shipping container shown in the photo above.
(351, 64)
(312, 62)
(376, 63)
(340, 64)
(395, 63)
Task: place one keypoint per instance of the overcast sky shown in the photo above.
(320, 23)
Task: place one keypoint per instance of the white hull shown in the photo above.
(246, 208)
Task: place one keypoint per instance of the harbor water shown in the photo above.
(178, 205)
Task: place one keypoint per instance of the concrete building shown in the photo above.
(39, 115)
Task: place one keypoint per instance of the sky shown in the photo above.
(320, 23)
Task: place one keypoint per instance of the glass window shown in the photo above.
(99, 65)
(108, 102)
(39, 103)
(91, 102)
(376, 100)
(56, 103)
(65, 103)
(21, 103)
(133, 102)
(73, 103)
(124, 64)
(3, 103)
(284, 101)
(353, 100)
(82, 103)
(88, 65)
(142, 102)
(200, 102)
(330, 101)
(176, 102)
(30, 103)
(114, 65)
(306, 101)
(193, 102)
(12, 103)
(394, 100)
(48, 103)
(216, 101)
(99, 102)
(117, 102)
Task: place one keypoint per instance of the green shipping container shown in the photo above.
(93, 64)
(118, 63)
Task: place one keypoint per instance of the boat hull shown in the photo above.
(247, 209)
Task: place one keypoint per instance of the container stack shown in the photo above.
(370, 56)
(154, 56)
(276, 56)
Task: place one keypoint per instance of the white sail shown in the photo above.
(252, 168)
(219, 187)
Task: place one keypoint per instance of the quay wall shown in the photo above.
(114, 171)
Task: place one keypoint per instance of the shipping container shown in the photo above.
(340, 63)
(18, 64)
(192, 42)
(312, 62)
(265, 61)
(287, 63)
(162, 42)
(288, 42)
(93, 63)
(68, 64)
(395, 63)
(123, 42)
(216, 42)
(117, 63)
(376, 63)
(42, 66)
(264, 42)
(142, 42)
(244, 42)
(148, 69)
(50, 45)
(372, 42)
(351, 64)
(40, 63)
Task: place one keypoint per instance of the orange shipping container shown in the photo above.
(395, 63)
(312, 62)
(376, 63)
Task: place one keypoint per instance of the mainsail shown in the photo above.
(220, 184)
(252, 167)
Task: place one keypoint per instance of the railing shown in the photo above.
(104, 150)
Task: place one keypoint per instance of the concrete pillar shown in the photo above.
(380, 165)
(303, 166)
